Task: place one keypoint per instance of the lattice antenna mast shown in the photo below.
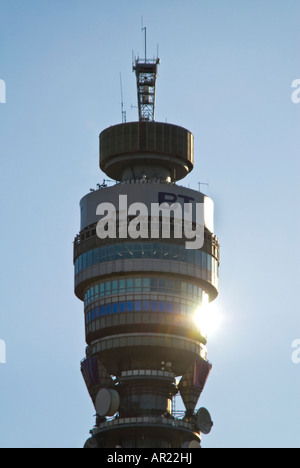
(146, 74)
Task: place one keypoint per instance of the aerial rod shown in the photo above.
(144, 28)
(122, 102)
(202, 183)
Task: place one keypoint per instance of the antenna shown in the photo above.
(204, 421)
(146, 74)
(122, 102)
(145, 39)
(145, 29)
(202, 183)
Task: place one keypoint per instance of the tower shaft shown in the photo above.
(141, 292)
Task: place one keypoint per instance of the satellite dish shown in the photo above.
(107, 402)
(204, 421)
(91, 444)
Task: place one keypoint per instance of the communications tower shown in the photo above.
(141, 295)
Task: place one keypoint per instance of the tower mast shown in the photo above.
(141, 296)
(146, 74)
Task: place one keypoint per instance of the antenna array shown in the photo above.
(146, 74)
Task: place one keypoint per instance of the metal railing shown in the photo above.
(154, 420)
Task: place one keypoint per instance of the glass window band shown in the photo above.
(146, 250)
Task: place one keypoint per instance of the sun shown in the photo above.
(208, 318)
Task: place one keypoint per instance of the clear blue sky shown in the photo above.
(226, 72)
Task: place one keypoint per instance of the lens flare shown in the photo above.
(208, 318)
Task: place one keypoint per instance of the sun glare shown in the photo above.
(208, 318)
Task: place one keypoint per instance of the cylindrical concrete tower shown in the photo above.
(142, 287)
